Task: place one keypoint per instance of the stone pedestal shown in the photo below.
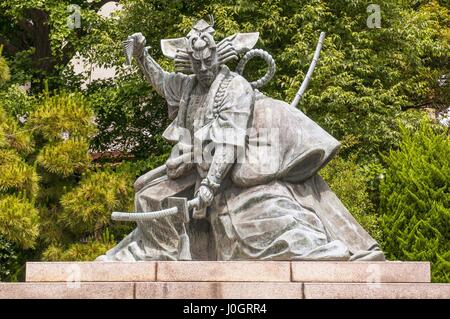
(238, 279)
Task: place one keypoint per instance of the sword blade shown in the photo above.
(145, 216)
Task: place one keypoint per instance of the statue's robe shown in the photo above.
(271, 206)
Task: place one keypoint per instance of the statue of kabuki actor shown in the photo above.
(241, 182)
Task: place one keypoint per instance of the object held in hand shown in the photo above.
(178, 205)
(133, 45)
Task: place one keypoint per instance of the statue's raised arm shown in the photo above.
(154, 73)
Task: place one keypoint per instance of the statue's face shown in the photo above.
(203, 57)
(206, 70)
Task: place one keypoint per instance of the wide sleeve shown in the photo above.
(169, 85)
(175, 85)
(283, 144)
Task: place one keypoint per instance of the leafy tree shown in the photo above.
(349, 182)
(130, 118)
(8, 260)
(78, 251)
(18, 183)
(53, 195)
(4, 70)
(415, 199)
(19, 221)
(43, 35)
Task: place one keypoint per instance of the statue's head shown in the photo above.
(198, 52)
(202, 51)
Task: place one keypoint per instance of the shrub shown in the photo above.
(19, 221)
(8, 260)
(4, 70)
(16, 102)
(349, 182)
(415, 198)
(78, 251)
(89, 206)
(66, 157)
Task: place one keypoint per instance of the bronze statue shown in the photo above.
(248, 163)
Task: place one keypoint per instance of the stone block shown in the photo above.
(361, 272)
(83, 290)
(262, 271)
(218, 290)
(90, 271)
(376, 291)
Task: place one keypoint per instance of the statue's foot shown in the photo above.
(368, 255)
(102, 258)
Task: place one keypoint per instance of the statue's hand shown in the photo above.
(134, 45)
(139, 43)
(180, 165)
(206, 196)
(179, 170)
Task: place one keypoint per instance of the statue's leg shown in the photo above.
(338, 221)
(157, 239)
(265, 222)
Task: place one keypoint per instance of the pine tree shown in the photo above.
(19, 219)
(4, 70)
(55, 202)
(77, 196)
(415, 199)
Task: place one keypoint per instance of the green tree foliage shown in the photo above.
(54, 201)
(79, 252)
(4, 70)
(19, 218)
(63, 114)
(88, 207)
(76, 197)
(349, 182)
(415, 199)
(43, 35)
(133, 116)
(16, 102)
(18, 185)
(8, 260)
(19, 221)
(53, 198)
(16, 174)
(65, 158)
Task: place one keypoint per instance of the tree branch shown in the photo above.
(437, 105)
